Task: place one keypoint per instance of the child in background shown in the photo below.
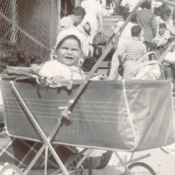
(162, 37)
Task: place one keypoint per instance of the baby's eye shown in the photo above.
(75, 49)
(64, 48)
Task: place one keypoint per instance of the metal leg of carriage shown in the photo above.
(47, 145)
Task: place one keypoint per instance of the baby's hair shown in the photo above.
(69, 37)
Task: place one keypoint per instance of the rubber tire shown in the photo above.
(11, 166)
(87, 166)
(141, 164)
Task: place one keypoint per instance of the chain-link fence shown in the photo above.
(30, 24)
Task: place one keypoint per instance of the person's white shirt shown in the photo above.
(65, 23)
(155, 4)
(131, 3)
(92, 8)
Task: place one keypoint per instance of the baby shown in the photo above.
(65, 65)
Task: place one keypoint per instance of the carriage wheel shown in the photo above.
(139, 168)
(84, 169)
(10, 169)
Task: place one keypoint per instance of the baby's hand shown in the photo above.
(57, 79)
(53, 81)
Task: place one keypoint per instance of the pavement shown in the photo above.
(163, 163)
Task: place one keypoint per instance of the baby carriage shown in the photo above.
(105, 115)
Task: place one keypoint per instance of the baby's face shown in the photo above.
(69, 52)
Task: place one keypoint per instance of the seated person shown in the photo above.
(162, 37)
(9, 56)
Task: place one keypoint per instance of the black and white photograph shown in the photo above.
(87, 87)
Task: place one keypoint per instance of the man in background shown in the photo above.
(75, 18)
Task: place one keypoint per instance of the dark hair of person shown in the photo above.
(33, 59)
(88, 64)
(68, 37)
(146, 4)
(133, 19)
(136, 30)
(9, 54)
(166, 11)
(22, 59)
(162, 25)
(78, 11)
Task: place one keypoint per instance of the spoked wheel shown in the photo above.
(139, 168)
(11, 170)
(84, 169)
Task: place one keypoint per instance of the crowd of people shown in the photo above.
(154, 19)
(74, 49)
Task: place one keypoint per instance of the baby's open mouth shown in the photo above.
(69, 58)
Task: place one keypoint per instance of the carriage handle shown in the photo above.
(146, 63)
